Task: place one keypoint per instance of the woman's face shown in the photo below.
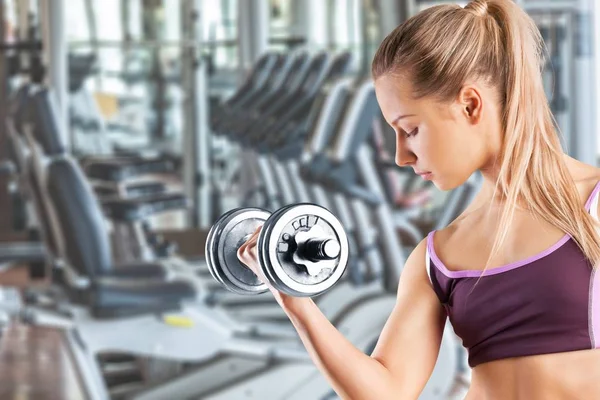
(445, 140)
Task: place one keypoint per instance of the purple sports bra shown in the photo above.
(548, 303)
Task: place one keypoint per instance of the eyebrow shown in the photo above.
(402, 116)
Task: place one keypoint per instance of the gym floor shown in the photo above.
(34, 361)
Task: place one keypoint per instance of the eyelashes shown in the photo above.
(412, 133)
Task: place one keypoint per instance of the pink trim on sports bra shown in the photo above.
(595, 309)
(588, 203)
(508, 267)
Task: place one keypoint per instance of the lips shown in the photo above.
(425, 175)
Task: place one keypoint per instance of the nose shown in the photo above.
(404, 156)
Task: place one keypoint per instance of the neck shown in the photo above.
(491, 173)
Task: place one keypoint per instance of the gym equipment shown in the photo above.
(292, 70)
(35, 120)
(17, 253)
(254, 83)
(302, 250)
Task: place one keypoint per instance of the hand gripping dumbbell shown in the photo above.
(302, 250)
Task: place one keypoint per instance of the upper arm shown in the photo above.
(409, 344)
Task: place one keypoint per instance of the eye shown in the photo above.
(412, 133)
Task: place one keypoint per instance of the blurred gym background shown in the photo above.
(158, 81)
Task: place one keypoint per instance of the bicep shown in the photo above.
(410, 341)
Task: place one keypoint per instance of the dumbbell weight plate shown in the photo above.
(276, 252)
(265, 233)
(224, 239)
(210, 250)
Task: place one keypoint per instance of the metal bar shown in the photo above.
(93, 31)
(283, 182)
(174, 43)
(23, 10)
(253, 32)
(3, 83)
(270, 184)
(136, 43)
(197, 142)
(52, 19)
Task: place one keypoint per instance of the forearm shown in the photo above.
(353, 374)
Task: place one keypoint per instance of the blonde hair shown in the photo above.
(496, 41)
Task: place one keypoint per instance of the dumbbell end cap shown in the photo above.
(331, 249)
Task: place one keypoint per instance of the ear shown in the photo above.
(471, 103)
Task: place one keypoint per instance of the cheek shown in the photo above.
(447, 152)
(434, 146)
(462, 159)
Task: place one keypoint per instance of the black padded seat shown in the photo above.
(137, 270)
(113, 298)
(139, 208)
(22, 252)
(120, 170)
(133, 189)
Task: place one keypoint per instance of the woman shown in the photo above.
(462, 88)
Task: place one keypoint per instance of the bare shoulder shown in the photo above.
(586, 178)
(583, 174)
(415, 264)
(586, 184)
(414, 277)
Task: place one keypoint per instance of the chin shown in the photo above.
(446, 184)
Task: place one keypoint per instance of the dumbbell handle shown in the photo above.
(313, 249)
(321, 249)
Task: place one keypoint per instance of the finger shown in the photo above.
(241, 250)
(251, 251)
(256, 232)
(253, 241)
(247, 253)
(242, 253)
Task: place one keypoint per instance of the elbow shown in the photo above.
(396, 386)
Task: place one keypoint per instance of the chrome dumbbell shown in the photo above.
(302, 250)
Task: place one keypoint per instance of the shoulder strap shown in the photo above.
(594, 206)
(428, 264)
